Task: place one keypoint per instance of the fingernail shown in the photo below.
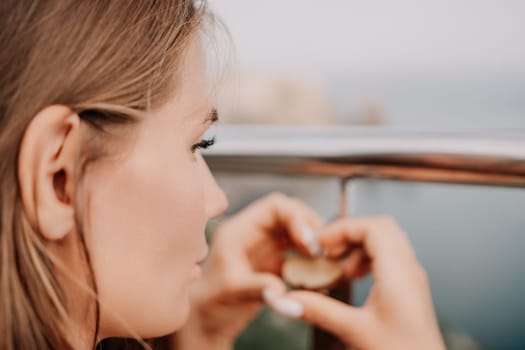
(309, 240)
(268, 295)
(287, 307)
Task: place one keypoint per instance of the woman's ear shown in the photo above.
(46, 165)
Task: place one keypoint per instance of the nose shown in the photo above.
(217, 203)
(215, 199)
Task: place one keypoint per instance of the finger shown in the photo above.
(344, 321)
(300, 222)
(341, 250)
(381, 238)
(353, 262)
(363, 269)
(335, 251)
(251, 287)
(307, 240)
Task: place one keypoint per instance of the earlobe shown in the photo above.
(46, 164)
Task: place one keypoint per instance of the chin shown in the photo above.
(158, 321)
(183, 314)
(171, 319)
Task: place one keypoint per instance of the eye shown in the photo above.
(203, 144)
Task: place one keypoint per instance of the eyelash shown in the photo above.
(203, 144)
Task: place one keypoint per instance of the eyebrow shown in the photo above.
(212, 117)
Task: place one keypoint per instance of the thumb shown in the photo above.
(346, 322)
(253, 286)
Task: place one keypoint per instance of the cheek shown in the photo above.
(146, 233)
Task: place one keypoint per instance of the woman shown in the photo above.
(105, 197)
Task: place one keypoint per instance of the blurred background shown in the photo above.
(410, 65)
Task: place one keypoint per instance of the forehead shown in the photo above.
(191, 100)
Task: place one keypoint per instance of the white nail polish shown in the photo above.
(268, 296)
(287, 307)
(309, 240)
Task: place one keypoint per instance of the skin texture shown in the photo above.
(398, 313)
(148, 215)
(245, 260)
(144, 208)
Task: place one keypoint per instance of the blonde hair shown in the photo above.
(110, 62)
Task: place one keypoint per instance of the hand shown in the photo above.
(398, 313)
(245, 260)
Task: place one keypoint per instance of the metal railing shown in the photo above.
(492, 158)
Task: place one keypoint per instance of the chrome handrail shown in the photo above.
(464, 157)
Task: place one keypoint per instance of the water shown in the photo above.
(451, 101)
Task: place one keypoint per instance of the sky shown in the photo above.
(338, 36)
